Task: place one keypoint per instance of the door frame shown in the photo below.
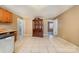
(55, 27)
(50, 30)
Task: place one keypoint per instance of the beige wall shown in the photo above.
(45, 25)
(69, 25)
(28, 27)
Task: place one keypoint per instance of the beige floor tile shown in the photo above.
(44, 45)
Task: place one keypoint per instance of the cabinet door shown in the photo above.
(1, 15)
(7, 16)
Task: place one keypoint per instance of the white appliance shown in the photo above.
(20, 27)
(7, 44)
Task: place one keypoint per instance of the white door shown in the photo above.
(55, 32)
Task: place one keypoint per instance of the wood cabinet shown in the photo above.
(5, 16)
(1, 14)
(38, 27)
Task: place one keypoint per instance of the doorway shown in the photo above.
(53, 28)
(50, 29)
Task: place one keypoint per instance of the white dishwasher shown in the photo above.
(7, 44)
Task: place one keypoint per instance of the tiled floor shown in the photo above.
(44, 45)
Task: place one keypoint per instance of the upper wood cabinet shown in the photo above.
(1, 15)
(5, 16)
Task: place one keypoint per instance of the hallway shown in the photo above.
(44, 45)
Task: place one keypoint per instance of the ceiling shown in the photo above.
(45, 11)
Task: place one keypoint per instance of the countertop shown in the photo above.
(6, 31)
